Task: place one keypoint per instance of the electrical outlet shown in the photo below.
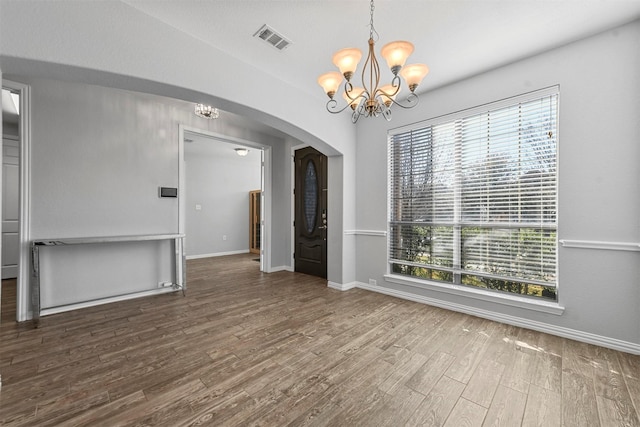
(224, 237)
(373, 282)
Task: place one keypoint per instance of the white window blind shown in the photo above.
(473, 197)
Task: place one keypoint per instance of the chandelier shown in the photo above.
(372, 100)
(207, 111)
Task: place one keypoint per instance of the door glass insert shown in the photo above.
(310, 196)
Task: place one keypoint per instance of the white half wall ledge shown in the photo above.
(586, 337)
(595, 244)
(511, 300)
(379, 233)
(217, 254)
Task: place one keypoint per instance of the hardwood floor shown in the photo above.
(8, 303)
(246, 348)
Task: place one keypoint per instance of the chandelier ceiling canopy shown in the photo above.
(207, 111)
(372, 99)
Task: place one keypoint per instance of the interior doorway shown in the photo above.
(11, 147)
(311, 217)
(219, 178)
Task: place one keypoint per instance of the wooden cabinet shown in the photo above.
(254, 221)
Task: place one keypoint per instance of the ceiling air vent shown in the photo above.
(272, 37)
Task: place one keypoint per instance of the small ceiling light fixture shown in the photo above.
(242, 152)
(207, 111)
(372, 100)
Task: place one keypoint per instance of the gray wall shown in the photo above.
(599, 181)
(47, 42)
(98, 156)
(219, 181)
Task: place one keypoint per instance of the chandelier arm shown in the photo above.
(348, 88)
(332, 104)
(372, 68)
(412, 98)
(394, 83)
(332, 107)
(386, 113)
(359, 111)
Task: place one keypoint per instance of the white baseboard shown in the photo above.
(342, 286)
(280, 268)
(560, 331)
(243, 251)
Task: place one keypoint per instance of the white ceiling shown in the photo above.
(456, 39)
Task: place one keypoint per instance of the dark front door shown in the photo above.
(311, 212)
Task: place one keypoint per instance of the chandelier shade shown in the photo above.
(396, 54)
(347, 61)
(386, 97)
(330, 82)
(372, 99)
(353, 97)
(413, 74)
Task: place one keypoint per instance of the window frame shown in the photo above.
(502, 297)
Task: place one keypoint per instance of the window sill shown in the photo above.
(495, 297)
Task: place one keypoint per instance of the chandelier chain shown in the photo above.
(372, 29)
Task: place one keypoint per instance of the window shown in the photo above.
(473, 197)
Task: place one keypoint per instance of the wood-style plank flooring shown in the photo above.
(246, 348)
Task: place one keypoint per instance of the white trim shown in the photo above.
(93, 303)
(560, 331)
(181, 181)
(467, 291)
(217, 254)
(280, 268)
(23, 306)
(342, 286)
(379, 233)
(266, 206)
(594, 244)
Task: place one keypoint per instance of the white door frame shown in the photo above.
(265, 239)
(23, 308)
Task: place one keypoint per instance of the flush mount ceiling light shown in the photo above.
(207, 111)
(242, 151)
(372, 100)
